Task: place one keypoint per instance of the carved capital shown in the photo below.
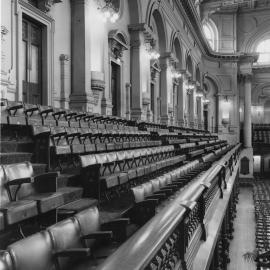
(149, 36)
(4, 32)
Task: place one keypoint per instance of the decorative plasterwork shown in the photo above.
(4, 31)
(117, 45)
(193, 21)
(155, 69)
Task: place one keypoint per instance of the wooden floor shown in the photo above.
(244, 232)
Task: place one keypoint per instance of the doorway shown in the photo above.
(32, 61)
(115, 89)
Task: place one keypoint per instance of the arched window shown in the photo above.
(263, 49)
(211, 34)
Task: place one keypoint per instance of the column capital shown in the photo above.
(149, 36)
(245, 77)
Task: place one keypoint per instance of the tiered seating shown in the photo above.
(108, 159)
(261, 134)
(261, 196)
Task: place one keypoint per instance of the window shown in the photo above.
(264, 52)
(211, 34)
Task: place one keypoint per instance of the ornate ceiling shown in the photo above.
(221, 5)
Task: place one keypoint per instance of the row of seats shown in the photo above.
(261, 196)
(261, 136)
(18, 113)
(109, 171)
(80, 242)
(25, 195)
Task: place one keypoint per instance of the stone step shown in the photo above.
(15, 146)
(14, 157)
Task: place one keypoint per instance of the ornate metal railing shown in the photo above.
(171, 236)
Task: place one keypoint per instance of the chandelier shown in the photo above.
(109, 10)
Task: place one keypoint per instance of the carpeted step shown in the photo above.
(39, 168)
(15, 146)
(14, 157)
(65, 180)
(71, 193)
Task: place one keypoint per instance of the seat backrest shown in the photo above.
(162, 181)
(89, 221)
(4, 198)
(5, 261)
(65, 235)
(148, 189)
(101, 158)
(88, 160)
(19, 170)
(138, 193)
(33, 252)
(155, 185)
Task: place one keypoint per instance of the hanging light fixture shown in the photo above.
(153, 54)
(176, 74)
(109, 10)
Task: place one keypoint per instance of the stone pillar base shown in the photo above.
(136, 114)
(246, 163)
(81, 102)
(106, 106)
(181, 122)
(164, 119)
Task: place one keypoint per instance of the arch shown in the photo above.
(176, 47)
(155, 14)
(258, 34)
(134, 7)
(211, 89)
(258, 91)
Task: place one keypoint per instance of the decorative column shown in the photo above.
(191, 106)
(180, 105)
(165, 61)
(245, 81)
(139, 33)
(128, 86)
(64, 73)
(247, 111)
(81, 97)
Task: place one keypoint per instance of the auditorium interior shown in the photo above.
(135, 135)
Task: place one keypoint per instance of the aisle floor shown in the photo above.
(244, 232)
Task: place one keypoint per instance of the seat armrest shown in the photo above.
(45, 176)
(20, 181)
(118, 228)
(73, 252)
(158, 196)
(100, 235)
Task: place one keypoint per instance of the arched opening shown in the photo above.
(211, 113)
(211, 34)
(118, 44)
(263, 48)
(178, 106)
(159, 46)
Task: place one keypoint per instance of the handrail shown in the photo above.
(146, 245)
